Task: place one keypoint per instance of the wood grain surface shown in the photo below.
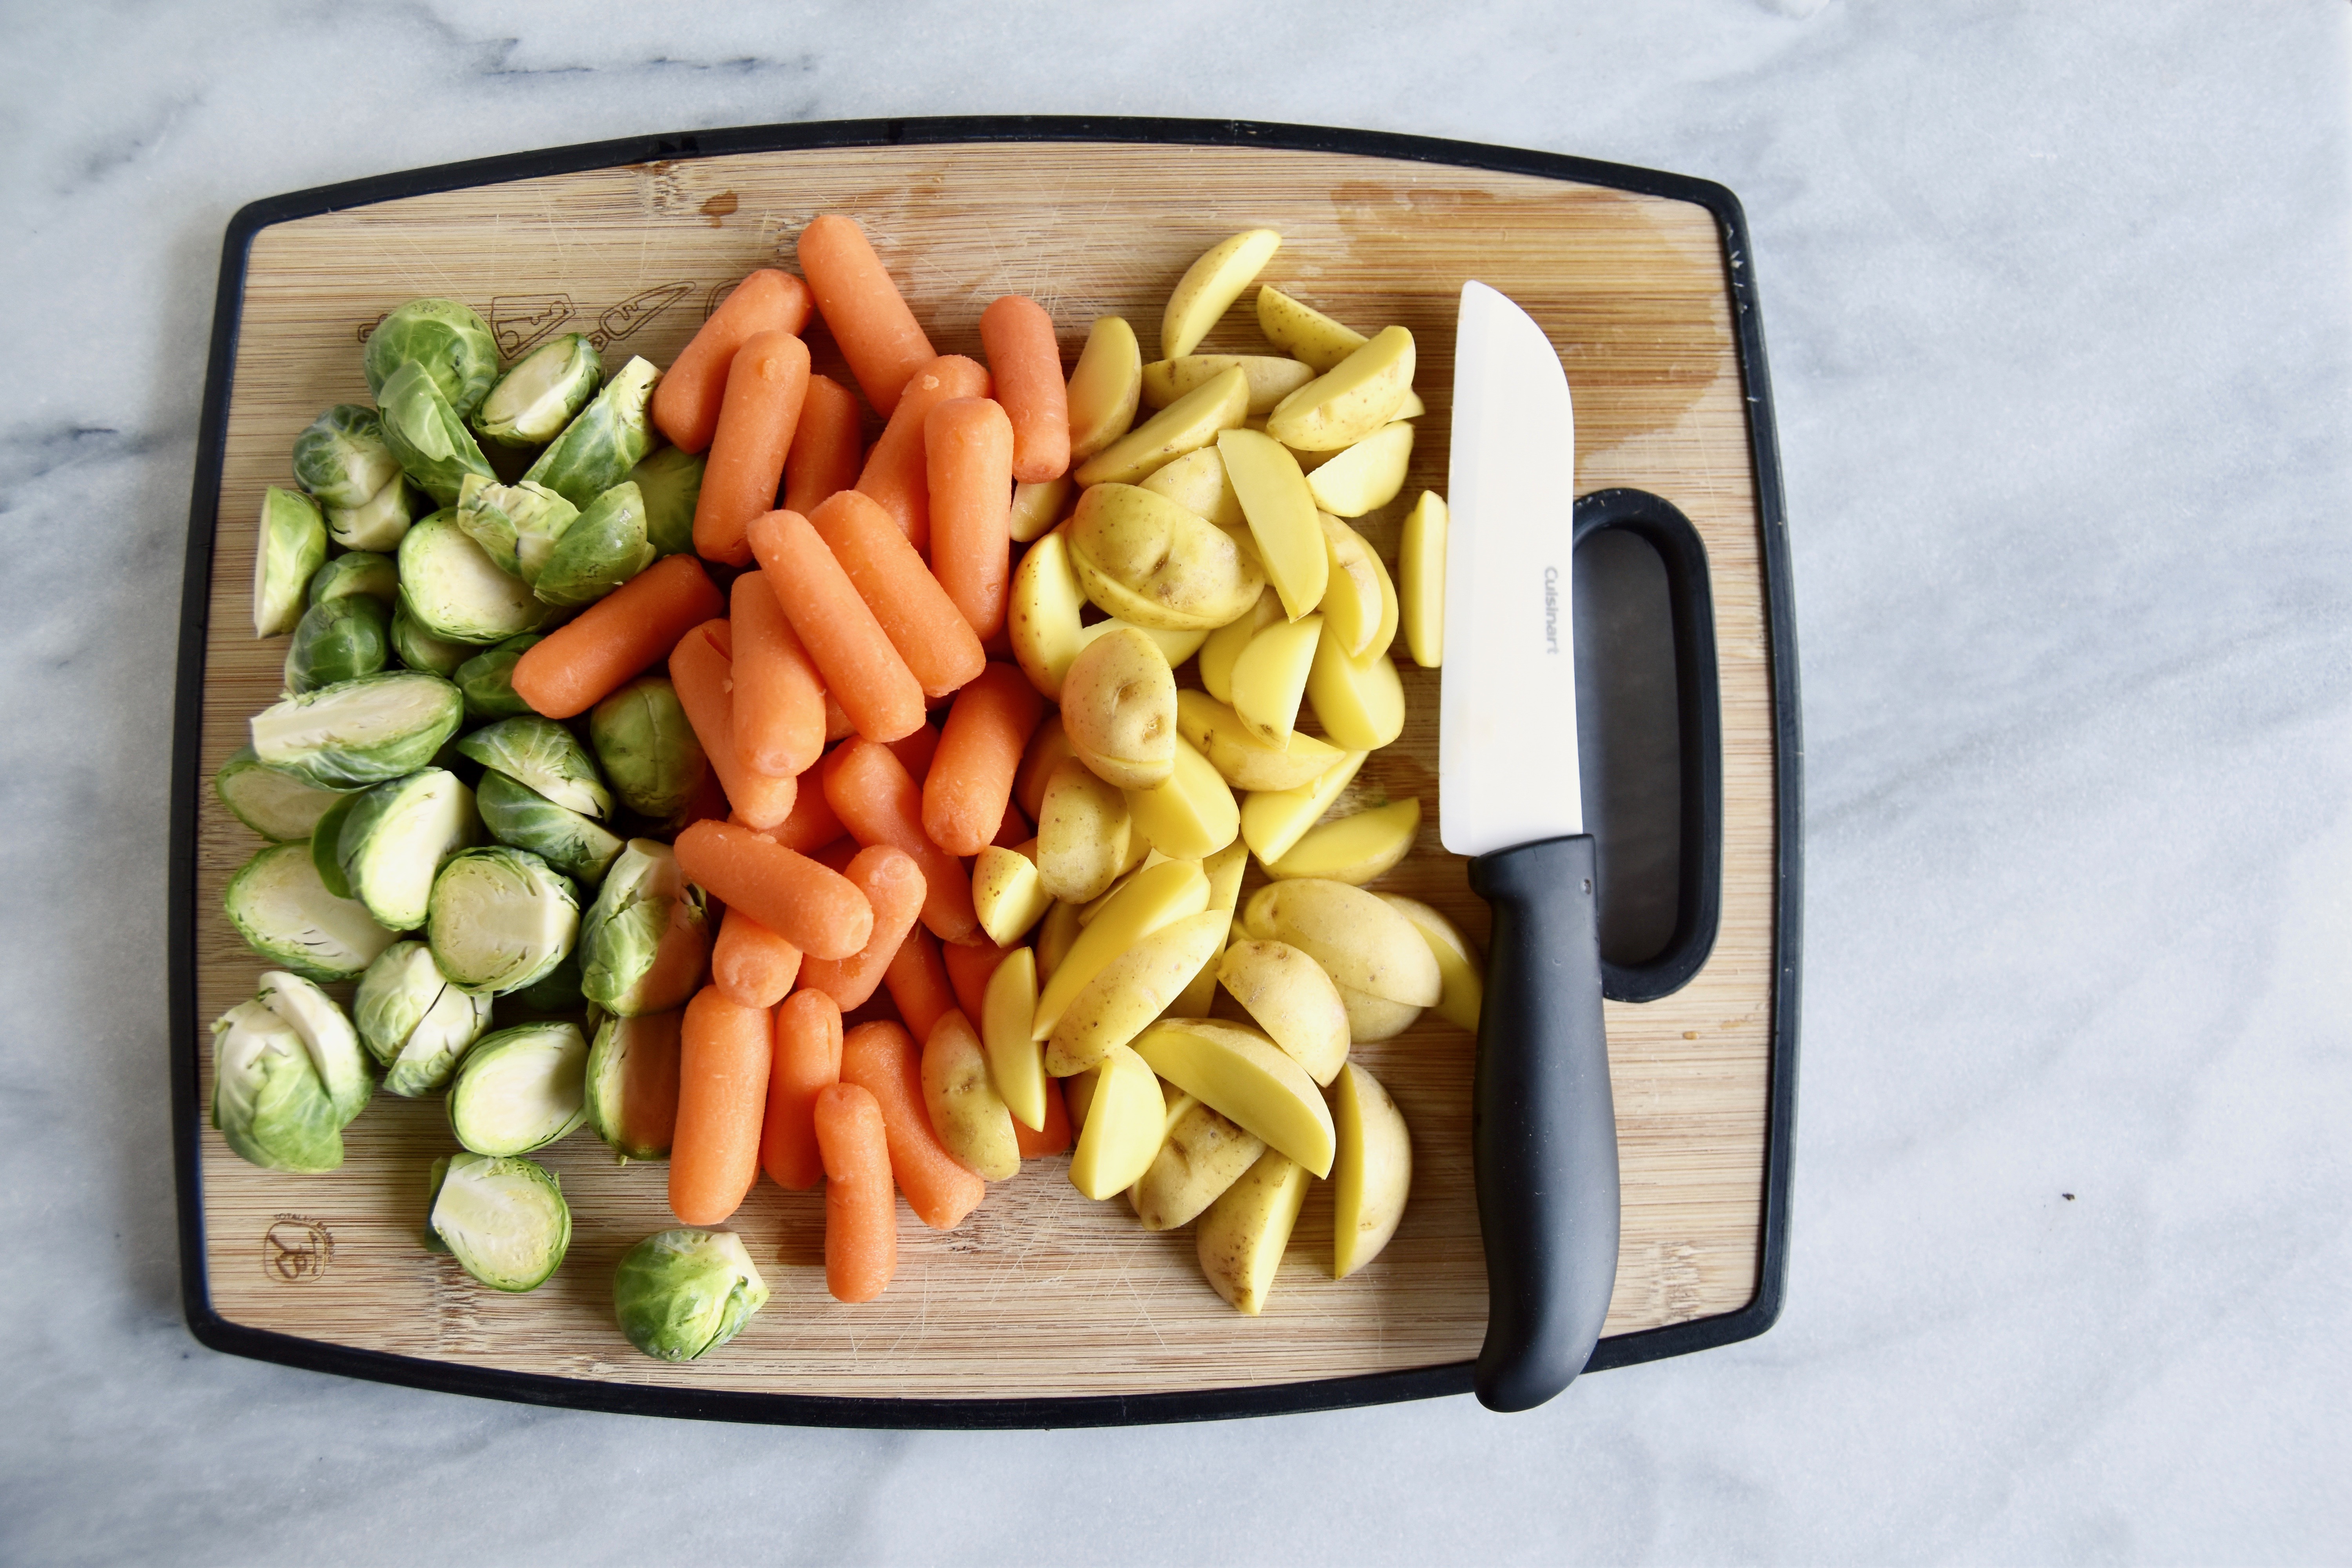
(1041, 1292)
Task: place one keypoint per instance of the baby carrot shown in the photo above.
(810, 824)
(863, 671)
(580, 663)
(897, 472)
(824, 453)
(878, 334)
(919, 988)
(861, 1216)
(881, 1058)
(915, 751)
(817, 910)
(751, 965)
(808, 1057)
(764, 388)
(724, 1051)
(877, 800)
(968, 468)
(893, 885)
(969, 967)
(1053, 1138)
(779, 699)
(1018, 337)
(686, 400)
(700, 670)
(933, 639)
(970, 778)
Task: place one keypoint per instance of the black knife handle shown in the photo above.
(1543, 1128)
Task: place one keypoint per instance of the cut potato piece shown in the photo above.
(1178, 569)
(1274, 820)
(1422, 559)
(1178, 645)
(1211, 285)
(1271, 676)
(1158, 896)
(1282, 518)
(1105, 385)
(1353, 606)
(1082, 833)
(1412, 408)
(966, 1112)
(1348, 402)
(1201, 1155)
(1292, 1000)
(1241, 1073)
(1125, 1115)
(1119, 709)
(1358, 702)
(1037, 507)
(1196, 481)
(1461, 972)
(1360, 941)
(1225, 643)
(1243, 760)
(1374, 1018)
(1241, 1238)
(1124, 998)
(1367, 474)
(1271, 378)
(1015, 1063)
(1041, 613)
(1055, 936)
(1305, 334)
(1372, 1174)
(1187, 424)
(1191, 816)
(1354, 849)
(1007, 892)
(1224, 871)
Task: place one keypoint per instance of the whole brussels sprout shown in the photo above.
(267, 1100)
(446, 339)
(517, 814)
(342, 458)
(428, 435)
(603, 549)
(504, 1220)
(340, 638)
(413, 1021)
(682, 1293)
(357, 572)
(378, 522)
(671, 483)
(646, 939)
(597, 449)
(517, 525)
(520, 1088)
(291, 549)
(536, 398)
(649, 752)
(545, 755)
(487, 679)
(499, 918)
(360, 733)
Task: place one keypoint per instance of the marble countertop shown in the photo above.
(2055, 299)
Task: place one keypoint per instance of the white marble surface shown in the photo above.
(2056, 301)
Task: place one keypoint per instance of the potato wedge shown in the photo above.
(1191, 816)
(1358, 702)
(1187, 424)
(1178, 570)
(1305, 334)
(1224, 871)
(1201, 1154)
(1412, 408)
(1365, 476)
(1271, 378)
(1243, 760)
(1125, 1115)
(1351, 603)
(1127, 993)
(1037, 507)
(1057, 935)
(1241, 1238)
(1047, 746)
(1158, 896)
(1271, 676)
(1082, 833)
(1196, 481)
(1422, 560)
(1225, 643)
(1015, 1063)
(1237, 1072)
(1374, 1018)
(1119, 708)
(1372, 1174)
(1105, 386)
(966, 1112)
(1041, 613)
(1281, 511)
(1211, 285)
(1348, 402)
(1292, 1000)
(1362, 942)
(1354, 848)
(1274, 820)
(1007, 892)
(1461, 972)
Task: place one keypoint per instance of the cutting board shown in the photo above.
(1042, 1307)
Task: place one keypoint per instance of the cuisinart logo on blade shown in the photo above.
(1551, 609)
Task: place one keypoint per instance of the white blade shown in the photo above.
(1506, 725)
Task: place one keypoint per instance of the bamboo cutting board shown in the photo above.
(1040, 1294)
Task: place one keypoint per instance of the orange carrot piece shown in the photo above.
(969, 967)
(580, 663)
(884, 1061)
(751, 965)
(934, 641)
(702, 671)
(810, 824)
(1053, 1138)
(916, 750)
(778, 698)
(968, 465)
(861, 1216)
(919, 988)
(808, 1057)
(818, 911)
(877, 800)
(825, 451)
(724, 1052)
(686, 400)
(862, 669)
(897, 472)
(1017, 335)
(764, 388)
(970, 778)
(878, 334)
(893, 885)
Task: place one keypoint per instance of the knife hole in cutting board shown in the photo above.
(1628, 739)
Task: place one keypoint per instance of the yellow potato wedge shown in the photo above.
(1191, 816)
(1271, 378)
(1241, 1238)
(1241, 1073)
(1365, 476)
(1420, 557)
(1224, 871)
(1123, 998)
(1016, 1064)
(1178, 570)
(1187, 424)
(1157, 896)
(1348, 402)
(1119, 709)
(1358, 702)
(1041, 613)
(1412, 408)
(1461, 972)
(1196, 481)
(1271, 676)
(1302, 333)
(1037, 507)
(1274, 820)
(1201, 1154)
(1082, 833)
(1292, 1000)
(1126, 1114)
(1352, 604)
(1057, 935)
(1243, 760)
(1372, 1174)
(1077, 1097)
(1361, 941)
(1007, 893)
(1281, 513)
(966, 1112)
(1225, 643)
(1374, 1018)
(1211, 285)
(1354, 848)
(1105, 385)
(1178, 645)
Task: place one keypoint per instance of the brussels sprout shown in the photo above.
(671, 483)
(429, 437)
(342, 458)
(517, 814)
(413, 1021)
(361, 731)
(326, 847)
(545, 755)
(367, 572)
(397, 836)
(291, 549)
(633, 1084)
(285, 913)
(645, 942)
(327, 1034)
(453, 589)
(597, 450)
(505, 1221)
(598, 553)
(650, 753)
(499, 918)
(452, 344)
(340, 639)
(267, 1100)
(420, 649)
(517, 525)
(520, 1089)
(557, 991)
(378, 522)
(487, 679)
(273, 802)
(683, 1292)
(539, 395)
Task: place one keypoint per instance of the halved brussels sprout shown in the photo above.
(517, 525)
(671, 481)
(340, 639)
(285, 913)
(326, 847)
(452, 344)
(342, 458)
(598, 553)
(505, 1221)
(397, 836)
(272, 802)
(327, 1034)
(517, 814)
(292, 547)
(650, 753)
(647, 937)
(267, 1100)
(597, 449)
(520, 1089)
(378, 522)
(543, 754)
(367, 572)
(540, 392)
(499, 918)
(633, 1084)
(420, 649)
(486, 681)
(428, 435)
(362, 732)
(413, 1021)
(684, 1292)
(454, 590)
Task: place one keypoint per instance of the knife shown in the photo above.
(1543, 1129)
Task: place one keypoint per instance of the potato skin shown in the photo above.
(1292, 1000)
(1180, 571)
(1083, 830)
(1118, 710)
